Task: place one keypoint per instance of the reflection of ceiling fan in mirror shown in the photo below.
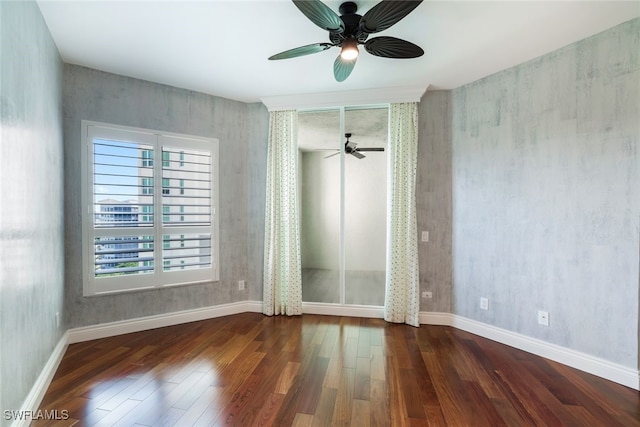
(351, 148)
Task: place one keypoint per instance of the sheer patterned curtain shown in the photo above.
(282, 266)
(401, 302)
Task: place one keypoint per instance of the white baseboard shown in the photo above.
(34, 398)
(435, 318)
(110, 329)
(602, 368)
(584, 362)
(343, 310)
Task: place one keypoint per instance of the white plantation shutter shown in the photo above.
(187, 207)
(150, 217)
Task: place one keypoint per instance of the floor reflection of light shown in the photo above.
(155, 393)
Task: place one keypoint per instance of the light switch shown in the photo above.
(425, 236)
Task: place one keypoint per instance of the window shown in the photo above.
(147, 185)
(147, 209)
(147, 158)
(121, 192)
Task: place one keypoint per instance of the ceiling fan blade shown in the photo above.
(342, 68)
(320, 14)
(391, 47)
(331, 155)
(385, 14)
(301, 51)
(371, 149)
(358, 155)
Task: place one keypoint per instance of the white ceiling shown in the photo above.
(221, 47)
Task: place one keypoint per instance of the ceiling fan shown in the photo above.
(349, 30)
(351, 148)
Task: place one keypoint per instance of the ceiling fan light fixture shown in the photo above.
(349, 49)
(350, 29)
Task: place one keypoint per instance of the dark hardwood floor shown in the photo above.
(249, 369)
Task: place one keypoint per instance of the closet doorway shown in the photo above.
(343, 196)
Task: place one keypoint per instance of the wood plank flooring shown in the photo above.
(253, 370)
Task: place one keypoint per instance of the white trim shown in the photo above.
(348, 310)
(594, 365)
(575, 359)
(254, 306)
(611, 371)
(345, 98)
(39, 388)
(435, 318)
(111, 329)
(104, 330)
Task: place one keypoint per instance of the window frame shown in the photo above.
(159, 278)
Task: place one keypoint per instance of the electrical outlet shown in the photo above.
(484, 303)
(543, 318)
(427, 294)
(241, 285)
(425, 236)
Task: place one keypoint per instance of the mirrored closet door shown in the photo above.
(342, 167)
(365, 206)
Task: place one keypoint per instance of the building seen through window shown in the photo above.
(131, 181)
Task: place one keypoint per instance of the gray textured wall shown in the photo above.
(104, 97)
(258, 137)
(31, 185)
(433, 199)
(546, 201)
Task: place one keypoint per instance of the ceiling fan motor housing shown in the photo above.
(348, 7)
(348, 148)
(351, 22)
